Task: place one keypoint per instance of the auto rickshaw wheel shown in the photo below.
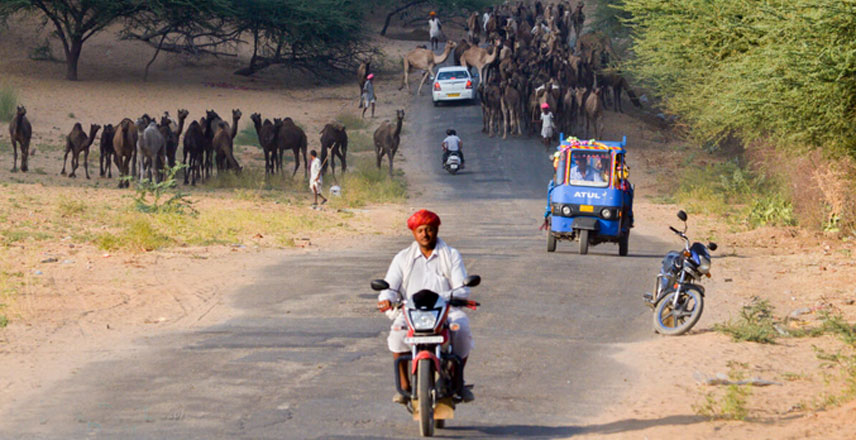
(584, 241)
(551, 242)
(623, 243)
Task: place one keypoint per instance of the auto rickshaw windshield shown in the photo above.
(589, 168)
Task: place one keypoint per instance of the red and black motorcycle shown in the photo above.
(436, 373)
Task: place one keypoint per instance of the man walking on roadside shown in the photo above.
(315, 178)
(368, 94)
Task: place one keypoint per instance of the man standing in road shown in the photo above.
(368, 94)
(434, 30)
(315, 178)
(547, 124)
(428, 263)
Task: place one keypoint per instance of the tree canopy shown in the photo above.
(780, 69)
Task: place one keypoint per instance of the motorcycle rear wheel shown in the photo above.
(675, 321)
(425, 381)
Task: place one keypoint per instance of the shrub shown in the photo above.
(755, 323)
(8, 103)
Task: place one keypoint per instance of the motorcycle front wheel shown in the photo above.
(425, 381)
(676, 319)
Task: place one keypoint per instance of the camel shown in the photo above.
(594, 112)
(491, 97)
(76, 142)
(511, 102)
(578, 18)
(569, 110)
(362, 71)
(107, 151)
(387, 138)
(459, 50)
(125, 149)
(20, 131)
(151, 149)
(266, 134)
(423, 59)
(335, 138)
(479, 58)
(473, 26)
(209, 127)
(290, 136)
(171, 132)
(224, 148)
(223, 143)
(194, 146)
(617, 83)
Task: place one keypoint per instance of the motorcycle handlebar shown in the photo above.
(675, 230)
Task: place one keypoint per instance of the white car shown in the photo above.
(453, 84)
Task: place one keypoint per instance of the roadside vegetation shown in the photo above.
(776, 78)
(8, 102)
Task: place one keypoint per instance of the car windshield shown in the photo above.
(453, 74)
(589, 168)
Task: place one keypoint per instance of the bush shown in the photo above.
(8, 103)
(366, 184)
(755, 323)
(248, 136)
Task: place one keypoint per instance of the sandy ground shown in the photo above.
(85, 301)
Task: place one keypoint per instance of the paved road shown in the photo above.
(305, 354)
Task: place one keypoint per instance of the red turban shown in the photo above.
(423, 217)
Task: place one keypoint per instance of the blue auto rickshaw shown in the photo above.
(589, 197)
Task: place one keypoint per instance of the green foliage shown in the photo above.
(8, 103)
(365, 184)
(609, 17)
(782, 68)
(352, 121)
(728, 189)
(70, 208)
(247, 136)
(149, 194)
(732, 405)
(755, 323)
(844, 358)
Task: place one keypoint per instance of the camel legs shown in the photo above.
(305, 164)
(86, 162)
(65, 158)
(505, 115)
(421, 82)
(15, 149)
(296, 152)
(389, 155)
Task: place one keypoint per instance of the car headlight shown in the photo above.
(606, 213)
(566, 210)
(423, 319)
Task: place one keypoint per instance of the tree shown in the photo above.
(400, 6)
(75, 21)
(183, 26)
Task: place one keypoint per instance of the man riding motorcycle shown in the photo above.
(428, 263)
(452, 143)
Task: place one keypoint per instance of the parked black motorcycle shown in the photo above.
(678, 299)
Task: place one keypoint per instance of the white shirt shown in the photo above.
(453, 143)
(315, 170)
(410, 266)
(434, 26)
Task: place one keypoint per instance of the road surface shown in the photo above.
(303, 355)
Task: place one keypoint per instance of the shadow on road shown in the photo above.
(550, 432)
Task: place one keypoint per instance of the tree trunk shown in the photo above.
(157, 51)
(72, 56)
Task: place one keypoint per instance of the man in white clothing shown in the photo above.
(434, 30)
(315, 178)
(428, 263)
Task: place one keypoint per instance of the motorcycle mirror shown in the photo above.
(682, 215)
(472, 281)
(712, 246)
(379, 285)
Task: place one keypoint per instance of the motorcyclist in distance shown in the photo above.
(452, 143)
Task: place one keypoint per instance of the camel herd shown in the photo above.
(144, 147)
(536, 56)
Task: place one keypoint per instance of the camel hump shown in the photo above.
(222, 124)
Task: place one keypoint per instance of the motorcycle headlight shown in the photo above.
(423, 319)
(606, 213)
(566, 210)
(703, 264)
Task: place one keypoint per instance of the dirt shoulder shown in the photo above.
(803, 276)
